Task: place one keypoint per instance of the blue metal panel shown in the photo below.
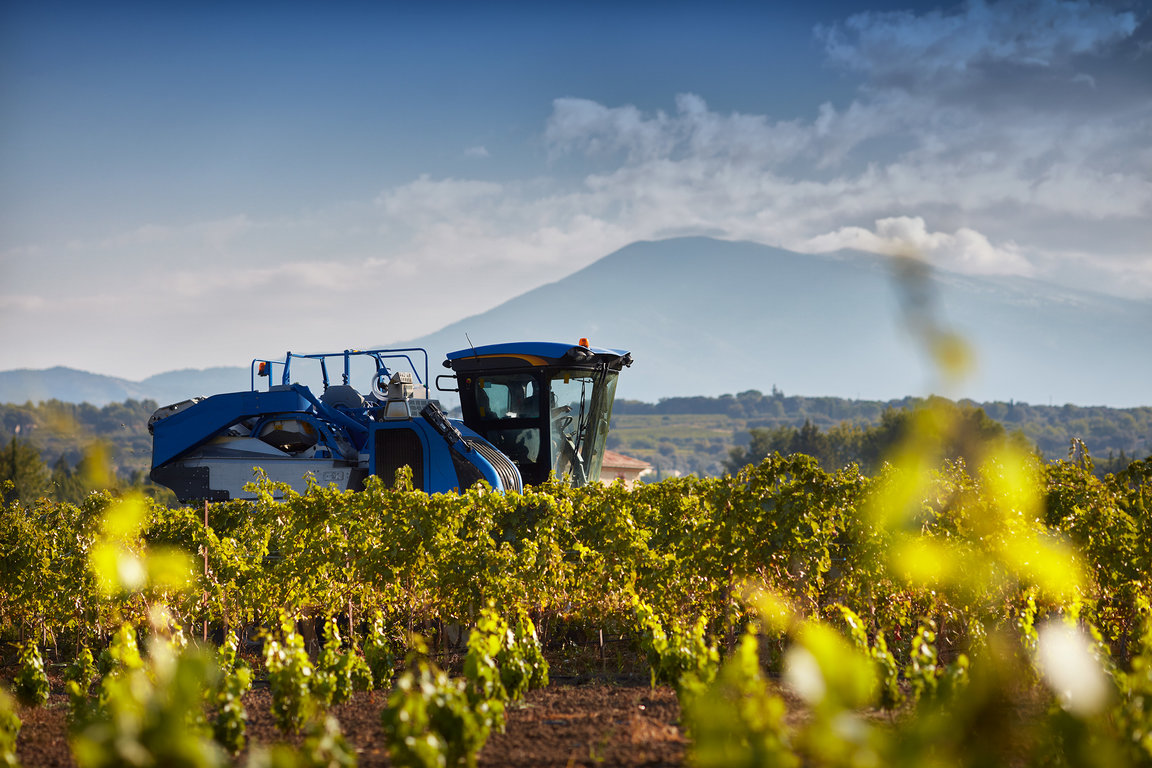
(442, 475)
(549, 349)
(439, 469)
(486, 469)
(189, 428)
(357, 432)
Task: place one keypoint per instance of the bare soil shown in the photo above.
(570, 723)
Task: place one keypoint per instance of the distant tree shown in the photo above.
(763, 443)
(140, 482)
(845, 442)
(67, 483)
(879, 441)
(1115, 463)
(809, 441)
(972, 432)
(23, 475)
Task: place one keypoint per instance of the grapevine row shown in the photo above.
(934, 584)
(584, 556)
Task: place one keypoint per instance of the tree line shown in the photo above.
(62, 451)
(25, 477)
(974, 433)
(1111, 434)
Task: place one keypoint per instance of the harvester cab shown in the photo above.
(529, 409)
(546, 406)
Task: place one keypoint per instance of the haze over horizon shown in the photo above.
(196, 185)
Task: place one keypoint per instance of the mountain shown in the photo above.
(174, 386)
(66, 384)
(709, 317)
(72, 386)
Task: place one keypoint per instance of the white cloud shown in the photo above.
(22, 303)
(1082, 78)
(965, 250)
(904, 46)
(428, 200)
(477, 151)
(693, 132)
(997, 186)
(1002, 163)
(29, 305)
(953, 163)
(583, 125)
(291, 278)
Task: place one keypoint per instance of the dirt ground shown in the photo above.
(574, 722)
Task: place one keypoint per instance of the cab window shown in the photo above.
(511, 396)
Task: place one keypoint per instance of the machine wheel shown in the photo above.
(380, 385)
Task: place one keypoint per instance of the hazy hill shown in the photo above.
(72, 386)
(67, 385)
(695, 434)
(173, 386)
(709, 317)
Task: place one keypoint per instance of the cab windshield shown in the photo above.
(548, 421)
(579, 419)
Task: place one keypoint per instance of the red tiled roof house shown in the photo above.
(617, 466)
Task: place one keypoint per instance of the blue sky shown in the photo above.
(195, 185)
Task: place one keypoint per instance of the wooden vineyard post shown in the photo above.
(205, 570)
(348, 572)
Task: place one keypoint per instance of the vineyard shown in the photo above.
(934, 614)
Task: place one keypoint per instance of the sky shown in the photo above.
(193, 185)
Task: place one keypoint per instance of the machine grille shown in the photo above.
(396, 448)
(504, 467)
